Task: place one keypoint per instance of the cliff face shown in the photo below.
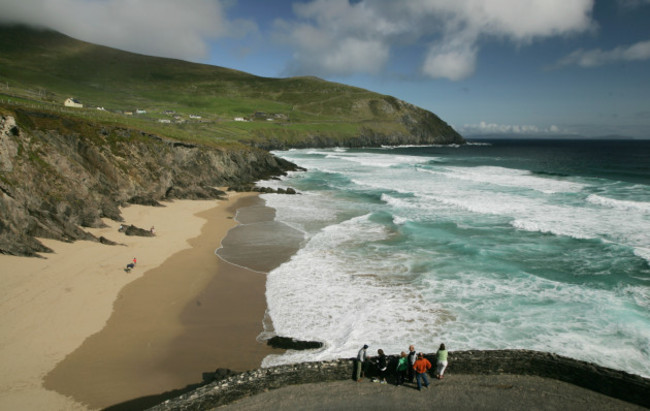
(58, 175)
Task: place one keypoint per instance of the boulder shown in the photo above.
(292, 344)
(141, 232)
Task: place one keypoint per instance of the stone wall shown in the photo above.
(617, 384)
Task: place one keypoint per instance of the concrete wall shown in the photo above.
(617, 384)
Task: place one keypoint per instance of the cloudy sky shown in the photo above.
(484, 66)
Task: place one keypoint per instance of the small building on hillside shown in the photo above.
(73, 102)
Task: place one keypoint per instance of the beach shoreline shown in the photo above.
(78, 332)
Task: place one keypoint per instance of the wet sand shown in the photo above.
(189, 316)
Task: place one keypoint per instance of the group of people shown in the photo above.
(410, 367)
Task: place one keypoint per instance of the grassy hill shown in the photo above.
(199, 103)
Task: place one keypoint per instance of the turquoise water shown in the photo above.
(540, 245)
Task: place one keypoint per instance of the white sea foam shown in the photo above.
(373, 160)
(511, 178)
(640, 294)
(421, 146)
(641, 206)
(344, 299)
(643, 252)
(399, 282)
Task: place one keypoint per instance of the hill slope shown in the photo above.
(48, 67)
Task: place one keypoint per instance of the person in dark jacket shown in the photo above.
(382, 366)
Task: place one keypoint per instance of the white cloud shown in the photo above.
(167, 28)
(597, 57)
(494, 128)
(452, 29)
(450, 62)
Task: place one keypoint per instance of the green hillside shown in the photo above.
(198, 102)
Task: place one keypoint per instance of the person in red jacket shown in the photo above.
(421, 367)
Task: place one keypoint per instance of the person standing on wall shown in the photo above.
(421, 366)
(360, 364)
(402, 367)
(441, 361)
(411, 362)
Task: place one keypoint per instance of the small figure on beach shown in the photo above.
(121, 228)
(152, 230)
(360, 364)
(131, 265)
(382, 365)
(411, 362)
(421, 366)
(400, 370)
(441, 361)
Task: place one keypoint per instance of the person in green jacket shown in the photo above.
(441, 361)
(402, 367)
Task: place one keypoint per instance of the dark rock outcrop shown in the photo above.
(60, 174)
(616, 384)
(287, 343)
(265, 190)
(137, 231)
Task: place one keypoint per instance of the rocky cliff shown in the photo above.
(60, 174)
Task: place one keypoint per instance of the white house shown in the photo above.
(73, 102)
(240, 119)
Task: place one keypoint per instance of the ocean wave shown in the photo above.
(510, 178)
(639, 294)
(641, 206)
(383, 161)
(425, 146)
(643, 253)
(559, 230)
(347, 295)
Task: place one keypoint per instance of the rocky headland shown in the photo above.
(59, 175)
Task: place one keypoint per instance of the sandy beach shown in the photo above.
(78, 332)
